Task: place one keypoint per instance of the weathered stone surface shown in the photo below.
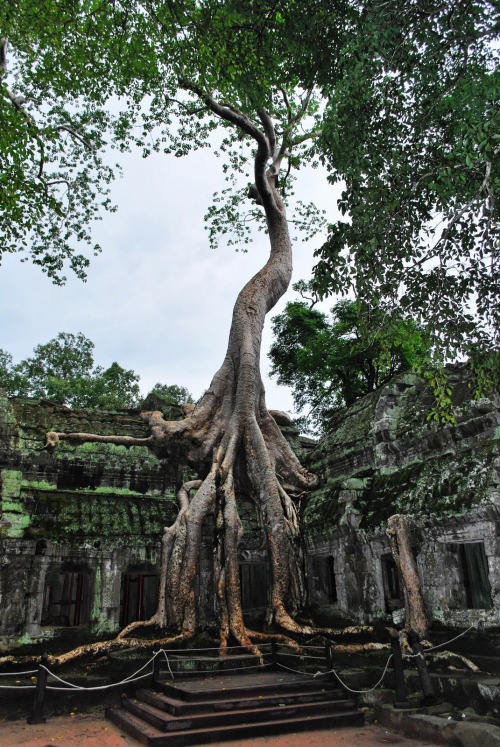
(99, 508)
(384, 448)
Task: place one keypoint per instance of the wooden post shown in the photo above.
(36, 716)
(425, 680)
(399, 677)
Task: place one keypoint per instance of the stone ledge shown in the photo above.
(442, 730)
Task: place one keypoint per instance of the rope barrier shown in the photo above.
(214, 648)
(332, 671)
(446, 643)
(134, 677)
(77, 688)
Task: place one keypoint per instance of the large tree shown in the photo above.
(173, 72)
(184, 69)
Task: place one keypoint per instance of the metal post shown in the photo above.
(36, 716)
(399, 677)
(274, 655)
(156, 669)
(425, 680)
(329, 660)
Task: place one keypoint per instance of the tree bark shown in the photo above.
(397, 532)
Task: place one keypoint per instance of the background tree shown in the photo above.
(411, 132)
(331, 362)
(173, 394)
(63, 371)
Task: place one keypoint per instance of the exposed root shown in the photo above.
(449, 656)
(135, 625)
(275, 637)
(356, 648)
(116, 644)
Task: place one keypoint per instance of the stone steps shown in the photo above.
(233, 706)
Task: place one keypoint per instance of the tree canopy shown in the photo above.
(331, 362)
(411, 132)
(63, 371)
(173, 394)
(77, 81)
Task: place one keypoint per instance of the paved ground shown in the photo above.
(92, 730)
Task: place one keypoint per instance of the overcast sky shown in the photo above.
(157, 300)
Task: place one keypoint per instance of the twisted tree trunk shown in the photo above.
(232, 438)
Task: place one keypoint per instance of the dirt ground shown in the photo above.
(92, 730)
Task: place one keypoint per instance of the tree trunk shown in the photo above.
(397, 532)
(231, 438)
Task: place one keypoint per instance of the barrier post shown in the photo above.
(329, 661)
(36, 716)
(274, 655)
(399, 677)
(156, 669)
(425, 680)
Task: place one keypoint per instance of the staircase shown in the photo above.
(231, 704)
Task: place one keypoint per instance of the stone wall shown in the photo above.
(382, 457)
(80, 527)
(83, 515)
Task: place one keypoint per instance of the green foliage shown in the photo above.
(63, 371)
(399, 101)
(79, 78)
(173, 394)
(329, 363)
(411, 132)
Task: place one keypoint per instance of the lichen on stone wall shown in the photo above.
(404, 463)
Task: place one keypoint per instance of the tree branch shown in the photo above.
(232, 115)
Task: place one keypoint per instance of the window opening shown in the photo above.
(254, 585)
(473, 566)
(393, 594)
(139, 597)
(65, 598)
(324, 586)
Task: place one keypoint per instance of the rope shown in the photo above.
(214, 648)
(17, 687)
(440, 645)
(168, 664)
(17, 674)
(130, 678)
(72, 688)
(371, 688)
(320, 674)
(297, 671)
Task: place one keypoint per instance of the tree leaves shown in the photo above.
(331, 363)
(411, 131)
(63, 371)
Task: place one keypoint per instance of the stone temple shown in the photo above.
(80, 526)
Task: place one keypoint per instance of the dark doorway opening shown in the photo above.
(393, 588)
(324, 585)
(66, 598)
(139, 597)
(254, 585)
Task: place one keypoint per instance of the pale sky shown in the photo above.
(157, 299)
